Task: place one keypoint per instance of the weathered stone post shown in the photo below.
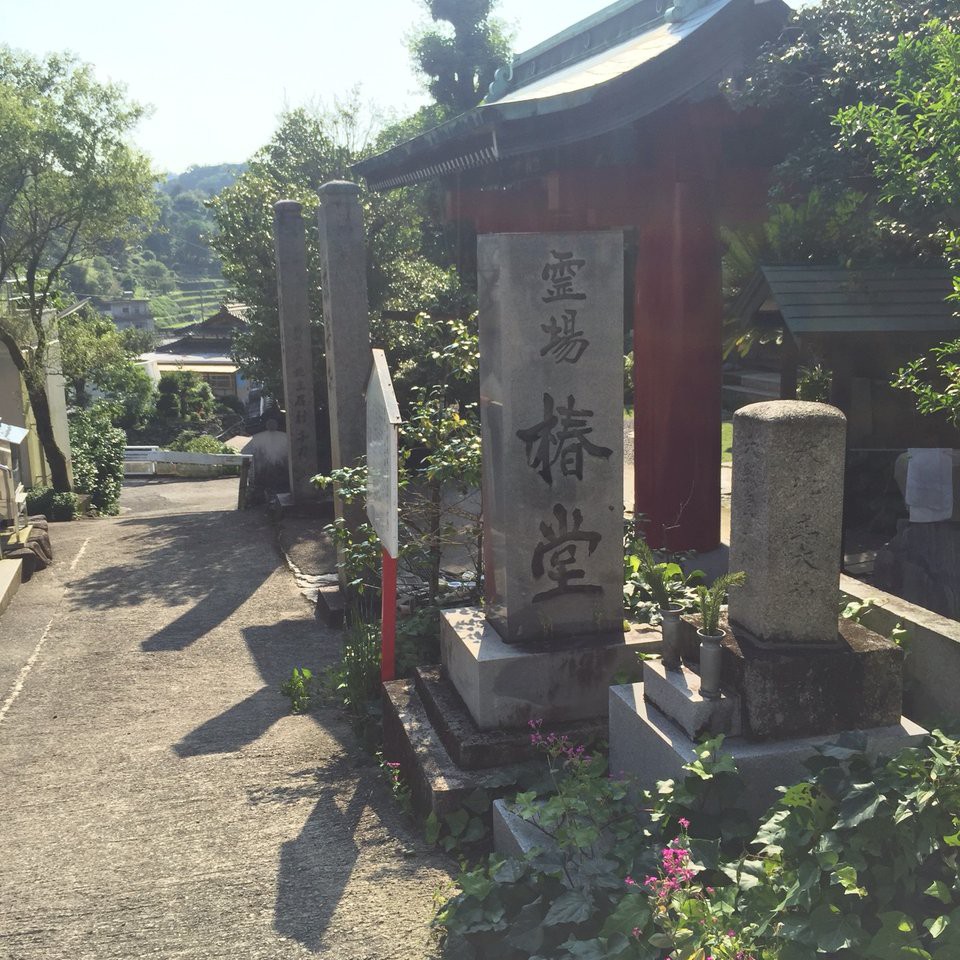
(346, 323)
(296, 348)
(786, 517)
(795, 675)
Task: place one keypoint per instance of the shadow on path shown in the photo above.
(184, 557)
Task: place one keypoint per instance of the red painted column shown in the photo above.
(677, 356)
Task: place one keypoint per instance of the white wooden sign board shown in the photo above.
(383, 435)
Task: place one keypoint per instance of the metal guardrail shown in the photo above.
(144, 462)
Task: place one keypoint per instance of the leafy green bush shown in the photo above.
(97, 448)
(650, 584)
(63, 506)
(299, 689)
(191, 441)
(40, 501)
(859, 862)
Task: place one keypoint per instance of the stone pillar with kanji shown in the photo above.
(551, 634)
(296, 348)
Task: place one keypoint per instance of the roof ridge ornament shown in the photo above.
(682, 9)
(502, 79)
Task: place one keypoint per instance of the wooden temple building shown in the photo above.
(619, 123)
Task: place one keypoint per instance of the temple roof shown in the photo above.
(625, 62)
(819, 300)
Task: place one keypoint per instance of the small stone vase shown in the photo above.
(710, 664)
(670, 627)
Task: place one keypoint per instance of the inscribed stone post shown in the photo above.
(296, 348)
(346, 323)
(551, 352)
(786, 516)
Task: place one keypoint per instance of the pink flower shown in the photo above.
(684, 822)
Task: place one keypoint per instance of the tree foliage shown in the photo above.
(914, 146)
(70, 187)
(459, 56)
(309, 149)
(832, 55)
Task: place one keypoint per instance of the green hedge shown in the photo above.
(98, 449)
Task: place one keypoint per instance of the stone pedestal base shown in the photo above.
(676, 694)
(853, 684)
(505, 686)
(646, 745)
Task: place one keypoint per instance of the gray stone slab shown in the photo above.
(646, 745)
(787, 508)
(515, 837)
(473, 749)
(346, 325)
(436, 783)
(676, 693)
(551, 337)
(503, 685)
(296, 348)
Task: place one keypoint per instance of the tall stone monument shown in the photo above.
(346, 324)
(795, 676)
(551, 342)
(551, 350)
(296, 348)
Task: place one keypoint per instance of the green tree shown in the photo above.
(913, 144)
(459, 56)
(308, 150)
(832, 55)
(70, 187)
(97, 356)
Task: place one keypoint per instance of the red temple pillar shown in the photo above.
(677, 351)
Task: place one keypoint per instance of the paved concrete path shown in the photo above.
(157, 798)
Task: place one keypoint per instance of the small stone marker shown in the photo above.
(296, 348)
(346, 324)
(786, 516)
(551, 346)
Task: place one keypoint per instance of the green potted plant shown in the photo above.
(660, 578)
(709, 601)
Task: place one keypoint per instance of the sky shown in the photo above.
(217, 75)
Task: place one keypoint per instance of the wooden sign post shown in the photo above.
(383, 440)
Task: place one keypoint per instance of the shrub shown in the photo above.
(190, 441)
(859, 861)
(63, 506)
(40, 501)
(98, 449)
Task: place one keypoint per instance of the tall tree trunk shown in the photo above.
(59, 475)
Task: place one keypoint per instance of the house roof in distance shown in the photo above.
(623, 63)
(830, 300)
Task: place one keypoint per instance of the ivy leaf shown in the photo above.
(833, 930)
(457, 822)
(510, 871)
(574, 906)
(586, 949)
(939, 890)
(858, 807)
(937, 926)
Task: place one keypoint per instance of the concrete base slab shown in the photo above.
(506, 685)
(436, 783)
(473, 749)
(9, 581)
(331, 604)
(676, 694)
(646, 745)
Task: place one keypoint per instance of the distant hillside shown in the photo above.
(175, 266)
(206, 180)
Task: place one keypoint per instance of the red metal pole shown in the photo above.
(388, 623)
